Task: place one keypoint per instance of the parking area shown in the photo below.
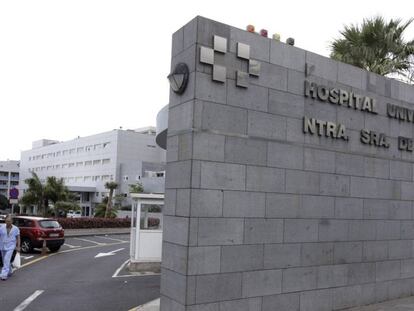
(75, 244)
(86, 273)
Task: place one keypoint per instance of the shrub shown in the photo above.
(96, 222)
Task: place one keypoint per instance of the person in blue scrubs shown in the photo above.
(9, 241)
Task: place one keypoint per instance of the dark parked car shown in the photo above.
(35, 230)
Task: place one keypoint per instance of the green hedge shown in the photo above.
(95, 222)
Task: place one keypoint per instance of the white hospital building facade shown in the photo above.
(87, 163)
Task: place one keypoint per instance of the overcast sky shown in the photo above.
(81, 67)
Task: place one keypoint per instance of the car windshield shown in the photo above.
(49, 224)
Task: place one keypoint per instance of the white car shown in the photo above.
(74, 214)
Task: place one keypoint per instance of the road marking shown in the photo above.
(28, 300)
(138, 275)
(26, 257)
(88, 247)
(36, 260)
(71, 246)
(67, 251)
(104, 237)
(120, 268)
(109, 253)
(90, 241)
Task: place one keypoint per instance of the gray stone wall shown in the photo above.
(260, 216)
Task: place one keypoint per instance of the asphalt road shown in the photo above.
(73, 279)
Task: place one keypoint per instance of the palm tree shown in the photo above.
(376, 45)
(111, 186)
(35, 193)
(56, 191)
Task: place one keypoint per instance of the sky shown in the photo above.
(82, 67)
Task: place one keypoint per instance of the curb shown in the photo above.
(153, 305)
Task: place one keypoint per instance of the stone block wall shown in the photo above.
(261, 216)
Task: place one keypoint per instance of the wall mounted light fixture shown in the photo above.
(179, 78)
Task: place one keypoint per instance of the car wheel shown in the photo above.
(26, 246)
(54, 249)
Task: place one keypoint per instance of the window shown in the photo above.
(106, 161)
(78, 179)
(160, 174)
(138, 177)
(88, 163)
(49, 167)
(149, 174)
(49, 224)
(30, 158)
(126, 178)
(88, 148)
(58, 154)
(104, 145)
(97, 146)
(80, 149)
(79, 164)
(151, 217)
(87, 178)
(72, 151)
(95, 178)
(105, 177)
(57, 166)
(71, 164)
(64, 152)
(96, 162)
(65, 165)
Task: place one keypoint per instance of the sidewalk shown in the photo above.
(403, 304)
(150, 306)
(95, 231)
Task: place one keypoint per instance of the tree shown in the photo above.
(35, 194)
(136, 188)
(100, 209)
(56, 191)
(53, 191)
(4, 203)
(376, 45)
(111, 186)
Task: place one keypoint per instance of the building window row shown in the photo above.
(154, 174)
(80, 179)
(70, 165)
(72, 151)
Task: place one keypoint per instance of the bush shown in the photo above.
(96, 222)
